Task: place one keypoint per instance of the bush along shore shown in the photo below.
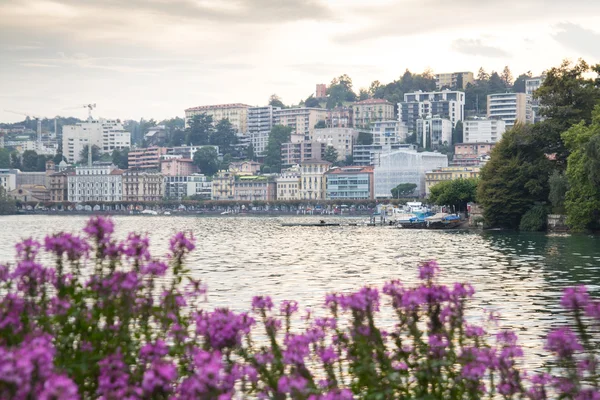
(110, 321)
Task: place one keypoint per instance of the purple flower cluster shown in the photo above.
(563, 342)
(262, 303)
(223, 328)
(73, 246)
(428, 270)
(209, 378)
(100, 229)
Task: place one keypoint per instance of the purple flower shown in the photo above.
(181, 243)
(399, 366)
(366, 299)
(297, 349)
(291, 384)
(288, 307)
(59, 387)
(327, 355)
(575, 298)
(65, 243)
(338, 394)
(11, 308)
(159, 378)
(428, 270)
(99, 228)
(27, 249)
(262, 303)
(462, 290)
(113, 382)
(472, 331)
(588, 394)
(154, 351)
(438, 344)
(223, 328)
(272, 325)
(31, 276)
(563, 342)
(592, 309)
(157, 268)
(136, 247)
(209, 378)
(506, 337)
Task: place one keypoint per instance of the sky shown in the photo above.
(154, 58)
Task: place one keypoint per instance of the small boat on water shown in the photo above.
(320, 223)
(436, 221)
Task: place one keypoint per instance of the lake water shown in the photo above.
(521, 276)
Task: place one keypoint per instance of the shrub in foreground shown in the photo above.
(110, 321)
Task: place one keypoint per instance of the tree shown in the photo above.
(457, 133)
(4, 158)
(15, 160)
(459, 82)
(364, 138)
(145, 126)
(207, 159)
(519, 85)
(83, 155)
(223, 136)
(279, 134)
(29, 161)
(7, 205)
(275, 101)
(496, 84)
(559, 185)
(349, 159)
(363, 94)
(250, 153)
(373, 88)
(199, 130)
(514, 179)
(583, 197)
(331, 154)
(455, 193)
(403, 190)
(120, 158)
(482, 76)
(320, 125)
(507, 77)
(311, 101)
(339, 91)
(177, 138)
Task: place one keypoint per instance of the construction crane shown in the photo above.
(39, 124)
(90, 107)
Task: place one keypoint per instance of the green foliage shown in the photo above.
(320, 125)
(331, 154)
(519, 85)
(515, 178)
(456, 193)
(408, 82)
(120, 158)
(535, 219)
(340, 91)
(4, 158)
(583, 197)
(403, 190)
(457, 133)
(31, 161)
(15, 160)
(349, 160)
(363, 94)
(311, 102)
(364, 138)
(223, 136)
(83, 155)
(177, 138)
(207, 159)
(559, 185)
(275, 101)
(7, 205)
(250, 155)
(279, 134)
(199, 131)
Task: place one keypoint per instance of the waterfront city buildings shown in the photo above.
(313, 185)
(448, 104)
(175, 166)
(471, 154)
(245, 167)
(350, 182)
(342, 139)
(142, 185)
(8, 179)
(453, 80)
(389, 132)
(302, 120)
(288, 184)
(147, 158)
(298, 152)
(58, 185)
(107, 135)
(366, 112)
(102, 182)
(254, 188)
(433, 132)
(510, 107)
(339, 117)
(196, 186)
(223, 185)
(260, 123)
(369, 154)
(404, 166)
(483, 130)
(236, 113)
(438, 175)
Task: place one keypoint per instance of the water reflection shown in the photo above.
(519, 275)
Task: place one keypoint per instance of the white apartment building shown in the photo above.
(510, 107)
(531, 85)
(389, 132)
(482, 130)
(449, 104)
(404, 166)
(107, 135)
(236, 113)
(8, 179)
(260, 123)
(433, 132)
(100, 182)
(302, 120)
(342, 139)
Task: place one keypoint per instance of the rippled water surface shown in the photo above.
(519, 275)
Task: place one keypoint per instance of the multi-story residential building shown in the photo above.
(260, 123)
(236, 113)
(368, 111)
(142, 185)
(1, 140)
(199, 186)
(350, 183)
(177, 167)
(288, 184)
(245, 167)
(531, 85)
(510, 107)
(302, 120)
(369, 154)
(313, 184)
(404, 166)
(472, 150)
(449, 104)
(342, 139)
(321, 91)
(222, 186)
(298, 152)
(254, 188)
(107, 135)
(58, 185)
(187, 151)
(147, 158)
(8, 179)
(389, 132)
(433, 132)
(438, 175)
(102, 182)
(453, 80)
(339, 117)
(482, 130)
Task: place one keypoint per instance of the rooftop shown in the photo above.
(357, 169)
(218, 106)
(372, 101)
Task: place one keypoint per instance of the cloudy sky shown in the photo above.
(154, 58)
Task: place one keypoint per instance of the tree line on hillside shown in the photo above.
(552, 166)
